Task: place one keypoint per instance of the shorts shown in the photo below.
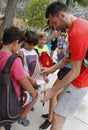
(69, 100)
(63, 72)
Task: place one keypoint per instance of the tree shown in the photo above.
(68, 2)
(34, 13)
(0, 4)
(9, 14)
(75, 2)
(82, 2)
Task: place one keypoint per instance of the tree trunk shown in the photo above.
(9, 14)
(68, 2)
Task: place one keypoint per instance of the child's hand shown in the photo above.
(35, 94)
(46, 79)
(63, 52)
(33, 82)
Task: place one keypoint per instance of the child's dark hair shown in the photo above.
(31, 38)
(12, 34)
(55, 7)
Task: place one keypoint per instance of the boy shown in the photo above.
(31, 58)
(41, 46)
(12, 40)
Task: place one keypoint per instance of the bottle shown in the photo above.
(86, 59)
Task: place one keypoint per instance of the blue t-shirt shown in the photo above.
(64, 44)
(49, 42)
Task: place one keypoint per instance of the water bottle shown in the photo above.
(86, 59)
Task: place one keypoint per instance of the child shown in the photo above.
(61, 52)
(12, 40)
(52, 38)
(41, 46)
(53, 101)
(43, 51)
(44, 55)
(31, 58)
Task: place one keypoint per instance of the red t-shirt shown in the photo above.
(78, 44)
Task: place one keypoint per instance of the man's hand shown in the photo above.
(48, 94)
(46, 71)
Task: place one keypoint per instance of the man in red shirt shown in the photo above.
(75, 83)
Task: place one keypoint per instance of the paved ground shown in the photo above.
(78, 122)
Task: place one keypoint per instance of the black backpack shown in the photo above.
(54, 44)
(10, 108)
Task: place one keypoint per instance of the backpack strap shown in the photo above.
(9, 63)
(36, 50)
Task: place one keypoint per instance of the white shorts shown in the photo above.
(69, 100)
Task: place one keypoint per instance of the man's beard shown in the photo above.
(62, 28)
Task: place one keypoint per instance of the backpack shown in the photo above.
(45, 59)
(10, 108)
(54, 44)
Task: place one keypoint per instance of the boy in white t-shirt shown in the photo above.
(31, 59)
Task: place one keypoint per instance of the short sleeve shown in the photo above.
(17, 70)
(78, 46)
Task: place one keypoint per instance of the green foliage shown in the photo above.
(0, 4)
(73, 4)
(34, 13)
(82, 2)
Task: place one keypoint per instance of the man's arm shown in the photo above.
(62, 63)
(70, 76)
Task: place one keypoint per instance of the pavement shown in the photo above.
(78, 122)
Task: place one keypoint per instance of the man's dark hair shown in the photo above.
(12, 34)
(31, 38)
(55, 7)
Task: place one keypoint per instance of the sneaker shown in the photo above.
(45, 125)
(45, 115)
(7, 127)
(24, 122)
